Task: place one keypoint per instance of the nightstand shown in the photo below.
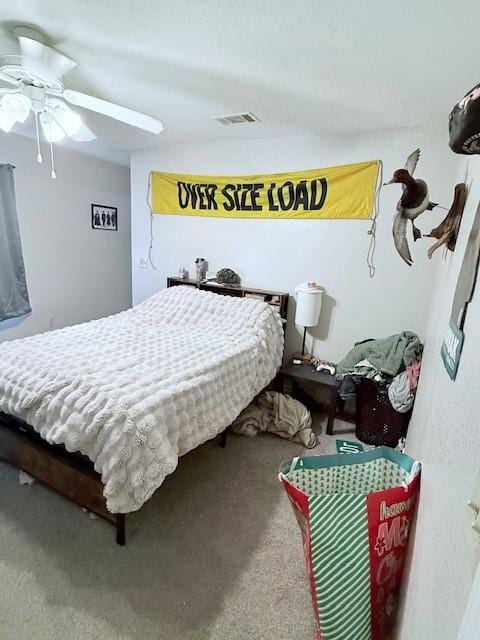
(298, 373)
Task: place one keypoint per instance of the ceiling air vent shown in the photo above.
(237, 118)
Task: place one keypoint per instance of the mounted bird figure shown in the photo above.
(414, 202)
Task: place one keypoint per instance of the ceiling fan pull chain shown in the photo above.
(53, 174)
(39, 153)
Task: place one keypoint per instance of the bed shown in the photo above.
(102, 411)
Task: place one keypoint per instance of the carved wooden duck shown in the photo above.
(414, 201)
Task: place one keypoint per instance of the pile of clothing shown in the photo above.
(279, 414)
(394, 361)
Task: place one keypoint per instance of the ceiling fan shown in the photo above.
(35, 86)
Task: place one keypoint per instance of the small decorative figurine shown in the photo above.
(228, 276)
(201, 265)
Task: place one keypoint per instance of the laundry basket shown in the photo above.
(354, 512)
(376, 421)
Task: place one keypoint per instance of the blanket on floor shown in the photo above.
(277, 413)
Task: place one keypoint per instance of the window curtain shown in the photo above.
(13, 286)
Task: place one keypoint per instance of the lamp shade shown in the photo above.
(65, 117)
(6, 122)
(16, 106)
(52, 131)
(309, 304)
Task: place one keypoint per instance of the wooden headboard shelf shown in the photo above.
(277, 299)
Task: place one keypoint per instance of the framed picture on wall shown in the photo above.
(104, 217)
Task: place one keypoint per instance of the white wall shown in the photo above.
(445, 435)
(279, 254)
(73, 272)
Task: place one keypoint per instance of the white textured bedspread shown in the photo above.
(136, 390)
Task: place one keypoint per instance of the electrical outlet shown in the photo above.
(143, 263)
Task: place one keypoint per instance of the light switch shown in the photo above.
(143, 263)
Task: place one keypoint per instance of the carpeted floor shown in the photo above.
(214, 555)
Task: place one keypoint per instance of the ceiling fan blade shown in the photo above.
(133, 118)
(43, 61)
(84, 134)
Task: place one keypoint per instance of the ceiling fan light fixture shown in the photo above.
(66, 118)
(6, 122)
(37, 77)
(52, 131)
(16, 106)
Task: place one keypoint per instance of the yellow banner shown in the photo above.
(346, 192)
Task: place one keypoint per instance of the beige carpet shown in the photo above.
(215, 554)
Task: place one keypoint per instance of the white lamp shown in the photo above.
(309, 304)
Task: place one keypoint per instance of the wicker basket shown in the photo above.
(377, 422)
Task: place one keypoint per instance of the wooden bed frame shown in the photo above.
(70, 474)
(73, 474)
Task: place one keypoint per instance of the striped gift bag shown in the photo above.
(354, 512)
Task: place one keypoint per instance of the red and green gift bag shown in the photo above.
(355, 513)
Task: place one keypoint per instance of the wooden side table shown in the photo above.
(298, 373)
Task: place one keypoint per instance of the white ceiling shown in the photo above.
(305, 66)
